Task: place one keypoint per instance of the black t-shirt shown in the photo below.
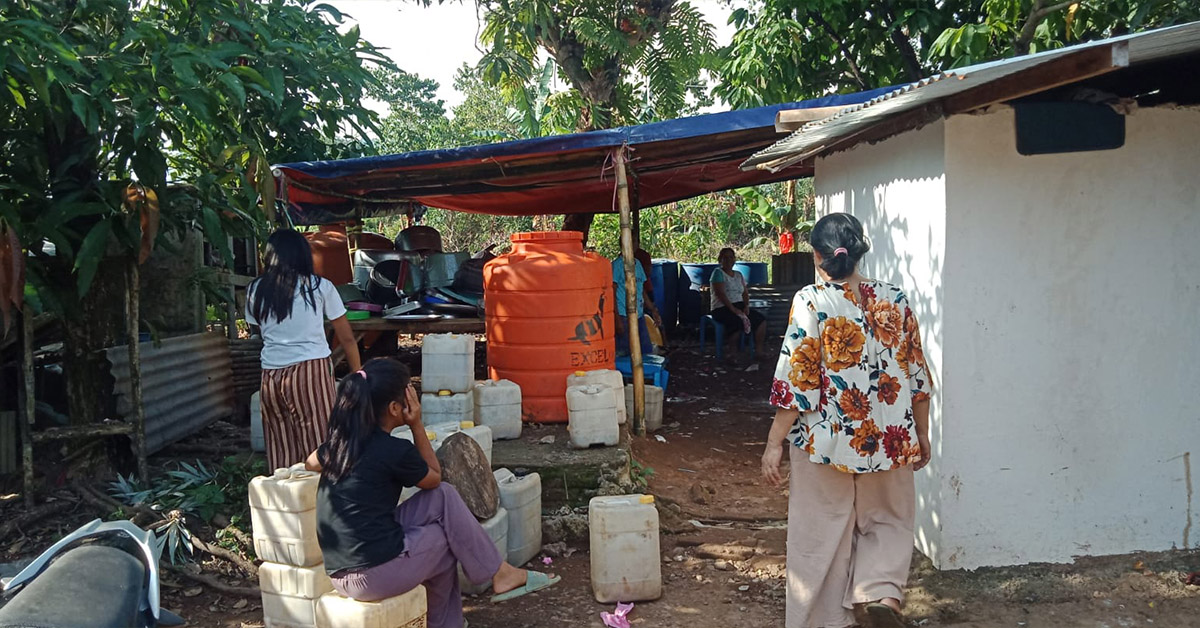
(356, 523)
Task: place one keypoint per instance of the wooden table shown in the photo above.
(393, 328)
(440, 326)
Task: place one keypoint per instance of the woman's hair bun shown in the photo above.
(839, 231)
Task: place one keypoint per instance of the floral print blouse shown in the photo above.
(852, 364)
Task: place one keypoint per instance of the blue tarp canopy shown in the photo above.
(562, 174)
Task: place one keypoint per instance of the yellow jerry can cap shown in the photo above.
(646, 499)
(444, 393)
(580, 373)
(431, 435)
(466, 425)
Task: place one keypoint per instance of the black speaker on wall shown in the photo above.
(1045, 128)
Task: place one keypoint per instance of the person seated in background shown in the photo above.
(729, 304)
(375, 549)
(644, 305)
(658, 333)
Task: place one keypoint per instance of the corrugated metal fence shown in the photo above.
(187, 383)
(247, 374)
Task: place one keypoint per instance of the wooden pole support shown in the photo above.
(29, 404)
(132, 326)
(631, 295)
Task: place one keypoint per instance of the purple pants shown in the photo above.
(439, 534)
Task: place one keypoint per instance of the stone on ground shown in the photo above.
(465, 466)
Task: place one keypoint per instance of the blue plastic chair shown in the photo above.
(654, 366)
(719, 336)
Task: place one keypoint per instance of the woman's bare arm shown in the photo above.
(345, 337)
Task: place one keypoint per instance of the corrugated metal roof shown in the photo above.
(816, 137)
(187, 383)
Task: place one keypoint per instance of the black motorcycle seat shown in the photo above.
(92, 586)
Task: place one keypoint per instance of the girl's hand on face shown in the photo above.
(412, 406)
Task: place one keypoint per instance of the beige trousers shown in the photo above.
(850, 540)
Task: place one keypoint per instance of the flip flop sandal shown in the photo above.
(535, 581)
(884, 616)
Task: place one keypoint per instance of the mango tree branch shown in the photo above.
(1036, 16)
(845, 50)
(912, 63)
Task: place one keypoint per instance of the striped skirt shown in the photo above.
(296, 402)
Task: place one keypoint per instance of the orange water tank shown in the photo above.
(549, 313)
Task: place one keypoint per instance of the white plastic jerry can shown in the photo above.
(481, 434)
(654, 405)
(522, 498)
(498, 406)
(592, 416)
(283, 513)
(497, 530)
(444, 406)
(404, 432)
(604, 377)
(442, 431)
(258, 440)
(290, 594)
(624, 548)
(407, 610)
(448, 363)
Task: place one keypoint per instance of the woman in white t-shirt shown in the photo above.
(289, 304)
(729, 304)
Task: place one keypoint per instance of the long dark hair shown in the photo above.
(834, 232)
(361, 398)
(287, 267)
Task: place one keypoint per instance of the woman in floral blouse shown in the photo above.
(852, 393)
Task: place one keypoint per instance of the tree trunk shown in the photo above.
(92, 324)
(847, 53)
(912, 62)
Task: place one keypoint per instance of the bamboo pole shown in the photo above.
(133, 316)
(231, 304)
(28, 401)
(631, 295)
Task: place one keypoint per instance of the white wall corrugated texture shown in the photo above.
(1057, 296)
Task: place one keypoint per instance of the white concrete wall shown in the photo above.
(1072, 347)
(1059, 297)
(897, 189)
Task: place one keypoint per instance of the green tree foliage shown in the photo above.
(620, 57)
(693, 230)
(481, 117)
(608, 51)
(1016, 27)
(416, 118)
(104, 93)
(789, 50)
(105, 101)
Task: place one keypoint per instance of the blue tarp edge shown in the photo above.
(680, 128)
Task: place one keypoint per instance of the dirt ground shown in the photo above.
(724, 533)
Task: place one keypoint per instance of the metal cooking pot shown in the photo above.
(382, 287)
(419, 238)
